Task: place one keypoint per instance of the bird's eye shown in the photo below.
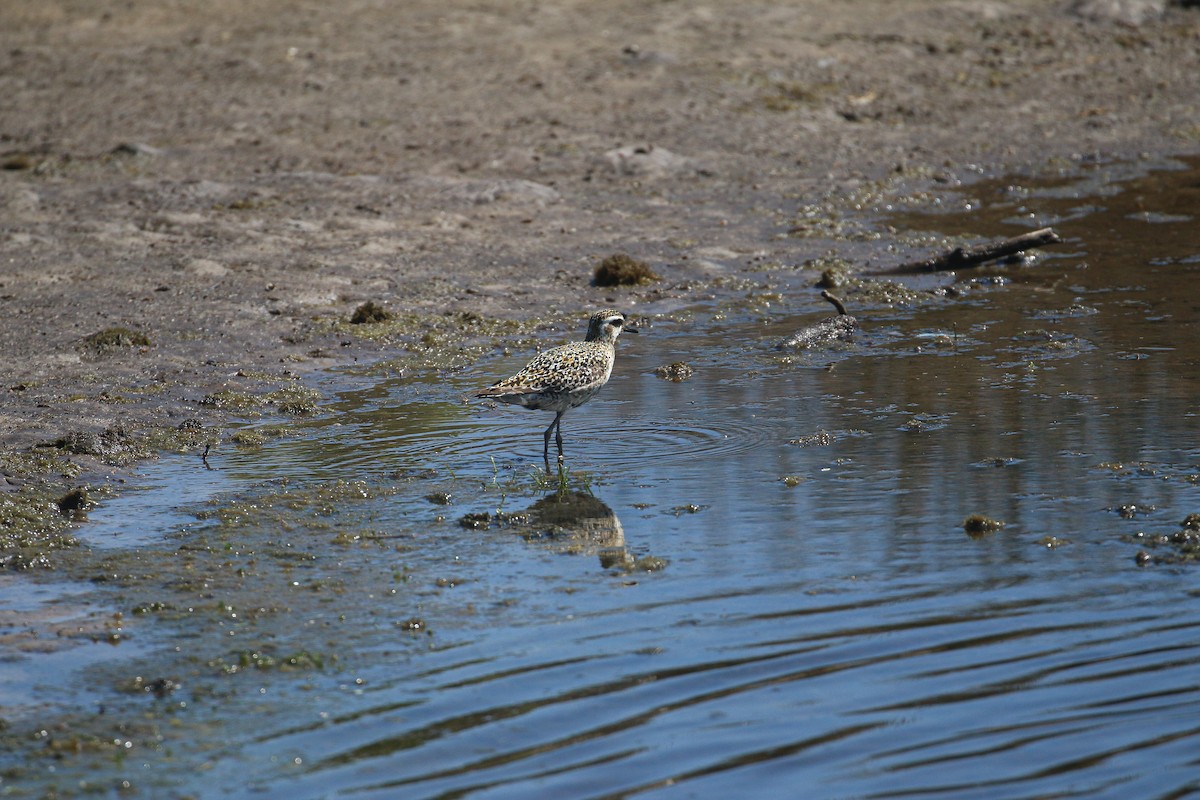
(618, 322)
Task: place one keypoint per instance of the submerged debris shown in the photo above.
(979, 525)
(623, 270)
(159, 687)
(413, 625)
(649, 564)
(964, 257)
(244, 660)
(828, 331)
(818, 439)
(1181, 546)
(251, 438)
(476, 520)
(677, 372)
(1132, 510)
(924, 423)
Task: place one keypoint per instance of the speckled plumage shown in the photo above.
(565, 377)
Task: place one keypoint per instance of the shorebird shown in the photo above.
(565, 377)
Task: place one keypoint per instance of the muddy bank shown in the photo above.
(196, 199)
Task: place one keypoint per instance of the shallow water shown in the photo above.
(760, 580)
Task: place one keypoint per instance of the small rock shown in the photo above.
(645, 161)
(1124, 12)
(207, 268)
(136, 149)
(483, 192)
(17, 161)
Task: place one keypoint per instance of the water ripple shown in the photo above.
(387, 439)
(803, 687)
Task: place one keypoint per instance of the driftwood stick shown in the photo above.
(841, 309)
(964, 257)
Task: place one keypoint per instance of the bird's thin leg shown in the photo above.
(546, 439)
(558, 436)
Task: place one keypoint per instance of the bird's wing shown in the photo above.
(557, 369)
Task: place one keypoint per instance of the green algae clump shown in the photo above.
(110, 340)
(370, 312)
(623, 270)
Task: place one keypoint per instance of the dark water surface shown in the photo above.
(759, 583)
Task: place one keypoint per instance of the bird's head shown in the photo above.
(606, 325)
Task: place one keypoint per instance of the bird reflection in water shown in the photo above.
(579, 523)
